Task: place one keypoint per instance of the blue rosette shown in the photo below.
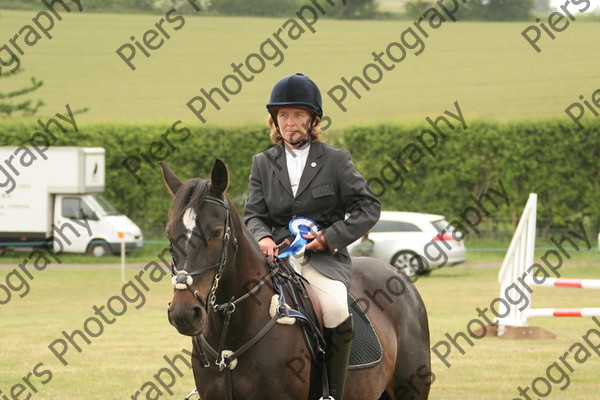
(299, 226)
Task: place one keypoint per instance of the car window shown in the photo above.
(395, 226)
(72, 208)
(444, 225)
(106, 206)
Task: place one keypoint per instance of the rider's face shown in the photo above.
(293, 124)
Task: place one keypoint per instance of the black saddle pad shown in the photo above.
(366, 348)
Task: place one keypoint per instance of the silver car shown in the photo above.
(415, 243)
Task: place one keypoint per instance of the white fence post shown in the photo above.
(518, 258)
(123, 261)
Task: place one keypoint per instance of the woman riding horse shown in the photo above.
(301, 176)
(224, 288)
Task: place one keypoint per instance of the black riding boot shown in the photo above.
(337, 353)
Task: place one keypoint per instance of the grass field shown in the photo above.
(130, 350)
(488, 67)
(479, 250)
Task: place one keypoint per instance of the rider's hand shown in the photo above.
(318, 243)
(268, 246)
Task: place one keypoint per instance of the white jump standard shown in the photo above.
(519, 274)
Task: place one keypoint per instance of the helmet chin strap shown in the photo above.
(302, 141)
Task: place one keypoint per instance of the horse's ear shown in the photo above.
(219, 177)
(171, 180)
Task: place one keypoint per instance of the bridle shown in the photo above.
(183, 279)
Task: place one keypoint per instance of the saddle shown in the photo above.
(366, 350)
(304, 306)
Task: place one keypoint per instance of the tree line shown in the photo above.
(482, 10)
(264, 8)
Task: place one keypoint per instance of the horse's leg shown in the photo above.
(412, 373)
(399, 317)
(370, 383)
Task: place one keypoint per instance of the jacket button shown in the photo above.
(335, 251)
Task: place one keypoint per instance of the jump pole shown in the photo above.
(515, 324)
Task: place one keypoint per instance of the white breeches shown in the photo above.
(332, 294)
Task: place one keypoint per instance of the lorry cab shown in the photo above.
(56, 198)
(100, 230)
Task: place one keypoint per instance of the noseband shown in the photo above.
(183, 280)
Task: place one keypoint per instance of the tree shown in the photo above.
(483, 10)
(360, 9)
(26, 107)
(262, 8)
(416, 8)
(353, 9)
(509, 10)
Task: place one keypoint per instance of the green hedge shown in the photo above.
(553, 158)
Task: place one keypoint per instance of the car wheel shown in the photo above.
(409, 263)
(99, 249)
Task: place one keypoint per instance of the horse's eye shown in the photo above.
(216, 234)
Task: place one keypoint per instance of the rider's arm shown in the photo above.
(358, 200)
(256, 215)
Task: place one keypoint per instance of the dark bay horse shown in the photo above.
(222, 296)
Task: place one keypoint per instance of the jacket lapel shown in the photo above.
(313, 165)
(277, 158)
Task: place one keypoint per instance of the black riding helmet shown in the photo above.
(295, 91)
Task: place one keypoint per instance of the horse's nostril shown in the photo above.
(197, 312)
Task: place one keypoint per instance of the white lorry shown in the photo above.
(55, 197)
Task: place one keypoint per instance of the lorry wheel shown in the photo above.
(408, 263)
(99, 249)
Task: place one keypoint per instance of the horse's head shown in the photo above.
(200, 232)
